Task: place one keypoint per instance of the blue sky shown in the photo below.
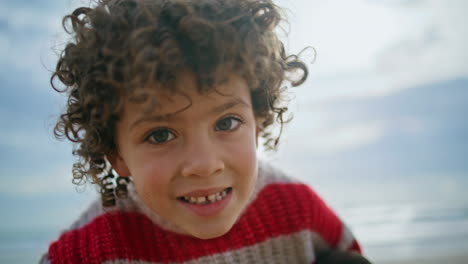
(383, 111)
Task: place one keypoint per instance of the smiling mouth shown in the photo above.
(202, 200)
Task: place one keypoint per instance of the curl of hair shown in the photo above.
(119, 46)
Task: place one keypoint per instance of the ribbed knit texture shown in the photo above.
(285, 222)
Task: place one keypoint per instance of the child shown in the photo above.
(173, 96)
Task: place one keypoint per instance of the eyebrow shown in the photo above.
(170, 116)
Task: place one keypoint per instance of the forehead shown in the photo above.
(184, 93)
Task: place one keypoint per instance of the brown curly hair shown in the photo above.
(119, 46)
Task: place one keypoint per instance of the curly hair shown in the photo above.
(119, 46)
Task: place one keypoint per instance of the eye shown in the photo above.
(228, 123)
(160, 136)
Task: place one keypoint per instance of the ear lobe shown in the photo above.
(118, 164)
(258, 129)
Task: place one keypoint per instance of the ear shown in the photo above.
(257, 133)
(258, 128)
(118, 164)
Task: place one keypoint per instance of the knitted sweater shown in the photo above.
(284, 222)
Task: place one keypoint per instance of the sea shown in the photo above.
(403, 232)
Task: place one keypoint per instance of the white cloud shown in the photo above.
(56, 180)
(346, 34)
(17, 135)
(28, 43)
(434, 50)
(411, 125)
(322, 132)
(338, 139)
(374, 48)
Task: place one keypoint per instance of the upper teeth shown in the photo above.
(206, 199)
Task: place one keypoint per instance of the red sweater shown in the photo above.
(286, 221)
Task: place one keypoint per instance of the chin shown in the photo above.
(210, 233)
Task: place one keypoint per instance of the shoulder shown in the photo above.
(95, 224)
(286, 197)
(110, 236)
(293, 207)
(292, 194)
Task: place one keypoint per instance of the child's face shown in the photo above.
(174, 151)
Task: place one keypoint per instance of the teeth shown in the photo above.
(212, 197)
(206, 199)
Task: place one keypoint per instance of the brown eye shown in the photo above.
(228, 123)
(161, 135)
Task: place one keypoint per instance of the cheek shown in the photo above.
(150, 176)
(243, 156)
(245, 146)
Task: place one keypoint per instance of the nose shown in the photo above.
(202, 158)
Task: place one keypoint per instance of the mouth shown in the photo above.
(204, 200)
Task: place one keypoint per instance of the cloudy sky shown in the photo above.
(383, 110)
